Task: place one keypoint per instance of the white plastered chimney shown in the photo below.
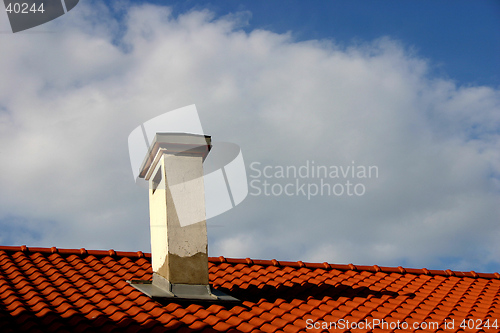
(173, 167)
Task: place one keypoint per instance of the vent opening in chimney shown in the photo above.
(156, 180)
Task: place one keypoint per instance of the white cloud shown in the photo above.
(238, 246)
(69, 99)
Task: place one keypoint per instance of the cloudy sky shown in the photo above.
(412, 89)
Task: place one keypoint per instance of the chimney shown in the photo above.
(173, 167)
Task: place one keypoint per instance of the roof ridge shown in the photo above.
(262, 262)
(352, 267)
(82, 251)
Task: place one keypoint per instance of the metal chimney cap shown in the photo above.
(176, 143)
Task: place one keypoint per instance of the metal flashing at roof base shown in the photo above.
(161, 289)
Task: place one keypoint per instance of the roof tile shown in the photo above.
(68, 290)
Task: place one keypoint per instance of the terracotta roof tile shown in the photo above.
(65, 290)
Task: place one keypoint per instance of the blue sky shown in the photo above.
(462, 40)
(409, 87)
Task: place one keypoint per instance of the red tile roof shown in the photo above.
(58, 290)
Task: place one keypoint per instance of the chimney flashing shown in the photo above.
(161, 289)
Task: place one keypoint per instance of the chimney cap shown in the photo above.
(175, 143)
